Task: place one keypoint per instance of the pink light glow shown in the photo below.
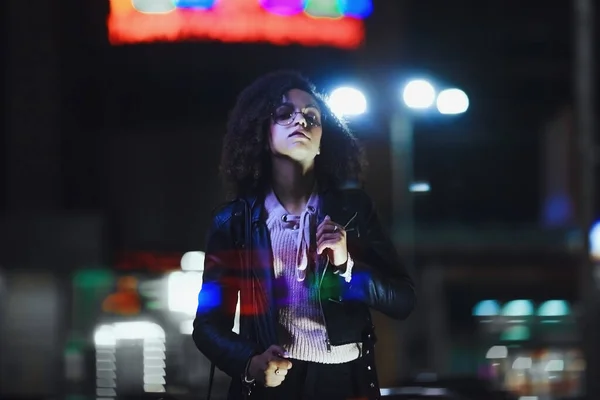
(231, 21)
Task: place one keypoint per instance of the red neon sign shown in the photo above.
(230, 21)
(148, 262)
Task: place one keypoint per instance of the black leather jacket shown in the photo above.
(239, 259)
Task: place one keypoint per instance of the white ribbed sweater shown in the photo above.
(301, 328)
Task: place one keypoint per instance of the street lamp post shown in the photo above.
(418, 95)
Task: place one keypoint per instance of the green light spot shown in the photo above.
(323, 9)
(88, 278)
(515, 334)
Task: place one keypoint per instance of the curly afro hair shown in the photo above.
(246, 159)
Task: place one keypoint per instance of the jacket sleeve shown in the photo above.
(217, 302)
(379, 277)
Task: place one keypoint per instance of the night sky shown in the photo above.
(512, 58)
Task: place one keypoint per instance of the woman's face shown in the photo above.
(296, 128)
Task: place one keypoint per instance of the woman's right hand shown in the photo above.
(270, 367)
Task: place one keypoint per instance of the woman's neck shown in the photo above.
(292, 183)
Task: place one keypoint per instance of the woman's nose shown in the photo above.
(301, 120)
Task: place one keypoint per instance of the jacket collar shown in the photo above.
(333, 202)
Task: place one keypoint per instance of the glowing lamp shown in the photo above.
(419, 94)
(452, 102)
(347, 101)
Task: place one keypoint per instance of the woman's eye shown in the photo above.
(284, 113)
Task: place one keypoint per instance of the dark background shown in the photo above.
(114, 149)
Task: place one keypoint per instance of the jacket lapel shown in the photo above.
(335, 204)
(261, 267)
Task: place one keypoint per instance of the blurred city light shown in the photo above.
(418, 94)
(554, 308)
(193, 261)
(497, 352)
(153, 7)
(195, 4)
(107, 339)
(516, 333)
(420, 187)
(132, 330)
(522, 363)
(279, 22)
(347, 101)
(452, 101)
(518, 308)
(105, 336)
(486, 308)
(594, 238)
(182, 291)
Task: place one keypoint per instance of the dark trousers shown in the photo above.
(313, 381)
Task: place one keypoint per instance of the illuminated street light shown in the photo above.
(347, 101)
(414, 100)
(452, 101)
(419, 94)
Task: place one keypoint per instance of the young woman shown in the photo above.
(303, 247)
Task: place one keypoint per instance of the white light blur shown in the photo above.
(522, 363)
(418, 94)
(106, 339)
(186, 327)
(594, 238)
(347, 101)
(555, 366)
(105, 336)
(138, 330)
(420, 187)
(193, 261)
(452, 101)
(182, 291)
(497, 352)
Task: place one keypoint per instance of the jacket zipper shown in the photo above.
(327, 341)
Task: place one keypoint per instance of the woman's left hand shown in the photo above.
(332, 236)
